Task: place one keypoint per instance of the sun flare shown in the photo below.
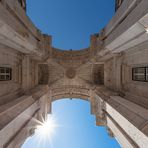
(47, 128)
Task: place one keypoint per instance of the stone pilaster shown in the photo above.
(26, 73)
(128, 122)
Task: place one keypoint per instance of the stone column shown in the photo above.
(128, 122)
(36, 74)
(49, 103)
(117, 72)
(26, 73)
(97, 106)
(45, 105)
(17, 118)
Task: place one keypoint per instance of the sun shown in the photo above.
(47, 129)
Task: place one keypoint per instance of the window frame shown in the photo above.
(9, 73)
(145, 73)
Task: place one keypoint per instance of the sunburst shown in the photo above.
(46, 129)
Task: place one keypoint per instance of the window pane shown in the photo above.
(2, 70)
(139, 74)
(7, 77)
(5, 74)
(7, 70)
(2, 77)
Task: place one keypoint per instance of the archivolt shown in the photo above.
(70, 92)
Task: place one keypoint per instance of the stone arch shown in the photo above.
(83, 93)
(70, 92)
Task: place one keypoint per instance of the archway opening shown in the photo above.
(75, 128)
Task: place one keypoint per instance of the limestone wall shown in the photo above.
(135, 90)
(118, 74)
(12, 59)
(24, 75)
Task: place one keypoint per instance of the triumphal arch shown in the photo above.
(112, 74)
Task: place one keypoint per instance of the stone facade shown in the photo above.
(101, 74)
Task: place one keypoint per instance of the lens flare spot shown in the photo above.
(47, 128)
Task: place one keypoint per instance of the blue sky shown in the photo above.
(71, 22)
(76, 128)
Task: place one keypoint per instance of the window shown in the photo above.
(140, 74)
(5, 74)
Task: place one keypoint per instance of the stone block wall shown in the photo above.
(118, 74)
(10, 58)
